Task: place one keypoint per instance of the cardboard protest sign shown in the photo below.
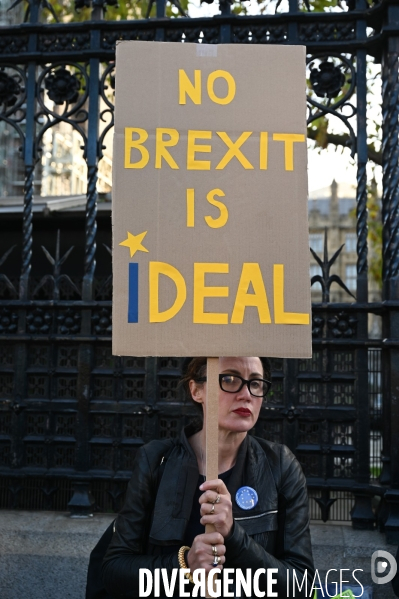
(210, 232)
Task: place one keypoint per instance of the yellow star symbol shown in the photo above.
(133, 242)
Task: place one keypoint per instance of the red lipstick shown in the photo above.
(243, 412)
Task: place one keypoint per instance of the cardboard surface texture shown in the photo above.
(210, 231)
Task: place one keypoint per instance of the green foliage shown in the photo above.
(375, 233)
(375, 471)
(126, 9)
(374, 237)
(322, 5)
(318, 131)
(66, 12)
(275, 6)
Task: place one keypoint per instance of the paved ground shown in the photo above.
(44, 555)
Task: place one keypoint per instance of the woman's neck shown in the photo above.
(229, 444)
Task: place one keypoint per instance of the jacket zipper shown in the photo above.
(259, 516)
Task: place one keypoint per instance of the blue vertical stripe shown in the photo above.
(133, 308)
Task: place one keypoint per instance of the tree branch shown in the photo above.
(342, 140)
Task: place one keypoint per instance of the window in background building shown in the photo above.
(350, 242)
(350, 276)
(316, 241)
(64, 168)
(315, 270)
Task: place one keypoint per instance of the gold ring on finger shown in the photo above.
(216, 561)
(217, 500)
(214, 550)
(212, 509)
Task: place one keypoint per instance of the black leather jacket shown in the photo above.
(274, 534)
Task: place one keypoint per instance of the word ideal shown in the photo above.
(165, 138)
(251, 276)
(150, 583)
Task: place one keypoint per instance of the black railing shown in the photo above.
(71, 414)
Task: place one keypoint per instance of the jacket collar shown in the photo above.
(179, 479)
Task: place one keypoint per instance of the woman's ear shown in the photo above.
(197, 391)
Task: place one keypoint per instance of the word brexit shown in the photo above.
(250, 293)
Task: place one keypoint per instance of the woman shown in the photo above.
(258, 505)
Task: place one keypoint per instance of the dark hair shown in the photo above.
(195, 368)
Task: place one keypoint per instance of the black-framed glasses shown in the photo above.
(233, 383)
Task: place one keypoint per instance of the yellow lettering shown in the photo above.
(251, 274)
(289, 139)
(186, 88)
(190, 207)
(201, 292)
(280, 316)
(161, 144)
(216, 223)
(193, 148)
(162, 268)
(231, 87)
(264, 142)
(234, 150)
(136, 144)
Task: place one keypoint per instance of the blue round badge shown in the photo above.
(246, 498)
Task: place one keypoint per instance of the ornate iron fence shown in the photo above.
(71, 414)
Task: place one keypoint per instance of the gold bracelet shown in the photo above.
(182, 562)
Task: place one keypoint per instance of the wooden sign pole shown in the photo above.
(212, 425)
(211, 422)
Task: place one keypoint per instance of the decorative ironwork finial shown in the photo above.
(56, 278)
(325, 503)
(3, 277)
(109, 278)
(325, 279)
